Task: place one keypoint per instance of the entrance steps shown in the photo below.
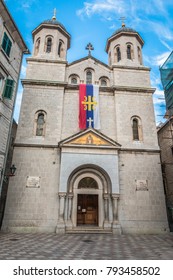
(88, 230)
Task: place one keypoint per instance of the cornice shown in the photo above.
(138, 68)
(133, 89)
(131, 150)
(43, 82)
(35, 59)
(35, 145)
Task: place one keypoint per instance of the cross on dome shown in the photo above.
(54, 14)
(122, 21)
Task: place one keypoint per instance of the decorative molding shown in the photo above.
(43, 82)
(35, 59)
(133, 150)
(35, 145)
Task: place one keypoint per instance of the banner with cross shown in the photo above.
(89, 106)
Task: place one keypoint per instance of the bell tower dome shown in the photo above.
(51, 40)
(49, 56)
(124, 47)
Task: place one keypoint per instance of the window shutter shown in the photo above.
(8, 49)
(8, 89)
(6, 44)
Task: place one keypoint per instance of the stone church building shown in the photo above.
(70, 179)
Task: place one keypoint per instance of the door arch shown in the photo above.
(95, 194)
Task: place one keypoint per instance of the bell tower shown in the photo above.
(51, 40)
(124, 47)
(124, 50)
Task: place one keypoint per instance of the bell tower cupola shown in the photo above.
(51, 40)
(124, 47)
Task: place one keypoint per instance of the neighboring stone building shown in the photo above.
(70, 179)
(7, 172)
(165, 136)
(12, 48)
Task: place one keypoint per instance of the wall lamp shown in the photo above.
(12, 173)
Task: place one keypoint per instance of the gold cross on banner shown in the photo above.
(89, 104)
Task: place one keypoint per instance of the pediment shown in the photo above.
(92, 59)
(89, 138)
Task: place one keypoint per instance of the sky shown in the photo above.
(95, 21)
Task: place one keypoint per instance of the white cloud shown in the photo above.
(102, 8)
(163, 31)
(23, 71)
(160, 59)
(18, 104)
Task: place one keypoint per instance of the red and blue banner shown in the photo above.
(89, 106)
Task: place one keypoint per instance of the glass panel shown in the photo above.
(74, 81)
(59, 48)
(40, 125)
(118, 54)
(49, 44)
(129, 52)
(88, 182)
(135, 130)
(103, 83)
(88, 77)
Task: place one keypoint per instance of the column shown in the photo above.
(60, 228)
(115, 198)
(69, 209)
(115, 225)
(106, 211)
(61, 205)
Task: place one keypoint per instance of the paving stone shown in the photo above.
(85, 246)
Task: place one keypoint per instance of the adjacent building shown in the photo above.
(12, 48)
(166, 71)
(86, 149)
(165, 135)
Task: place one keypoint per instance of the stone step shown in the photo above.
(88, 230)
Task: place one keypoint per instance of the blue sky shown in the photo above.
(94, 21)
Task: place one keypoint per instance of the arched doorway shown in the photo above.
(89, 198)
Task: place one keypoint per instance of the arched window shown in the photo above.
(40, 125)
(103, 82)
(118, 54)
(37, 46)
(59, 48)
(49, 45)
(129, 54)
(135, 129)
(110, 61)
(40, 121)
(74, 80)
(139, 55)
(89, 77)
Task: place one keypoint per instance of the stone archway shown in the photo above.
(102, 194)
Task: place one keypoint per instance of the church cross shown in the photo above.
(90, 103)
(90, 48)
(54, 14)
(90, 121)
(122, 21)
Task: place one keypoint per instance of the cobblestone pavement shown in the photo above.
(85, 246)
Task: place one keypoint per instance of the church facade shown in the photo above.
(88, 178)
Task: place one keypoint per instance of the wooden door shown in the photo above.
(87, 209)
